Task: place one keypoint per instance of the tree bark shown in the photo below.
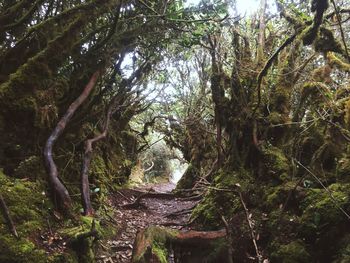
(85, 189)
(112, 107)
(262, 27)
(60, 193)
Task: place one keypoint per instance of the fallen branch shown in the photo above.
(5, 211)
(60, 193)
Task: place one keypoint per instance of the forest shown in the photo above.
(155, 131)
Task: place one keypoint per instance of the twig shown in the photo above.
(325, 188)
(250, 224)
(229, 240)
(6, 214)
(341, 29)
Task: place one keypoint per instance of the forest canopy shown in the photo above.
(257, 106)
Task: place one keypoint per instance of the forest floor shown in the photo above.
(160, 208)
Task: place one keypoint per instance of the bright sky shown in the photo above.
(244, 7)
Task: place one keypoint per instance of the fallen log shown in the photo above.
(154, 244)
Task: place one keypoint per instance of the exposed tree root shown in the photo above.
(141, 194)
(181, 212)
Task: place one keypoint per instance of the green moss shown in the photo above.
(160, 251)
(275, 162)
(275, 118)
(294, 252)
(319, 208)
(28, 209)
(347, 113)
(343, 253)
(152, 241)
(343, 169)
(84, 247)
(276, 196)
(335, 61)
(217, 203)
(317, 91)
(18, 250)
(326, 42)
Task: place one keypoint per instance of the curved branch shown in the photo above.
(112, 108)
(268, 64)
(60, 193)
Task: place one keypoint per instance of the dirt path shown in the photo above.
(161, 211)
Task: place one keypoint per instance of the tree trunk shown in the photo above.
(85, 189)
(262, 27)
(60, 193)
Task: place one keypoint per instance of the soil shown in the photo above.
(160, 210)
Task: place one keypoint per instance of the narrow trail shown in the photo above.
(160, 210)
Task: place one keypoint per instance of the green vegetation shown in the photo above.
(257, 106)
